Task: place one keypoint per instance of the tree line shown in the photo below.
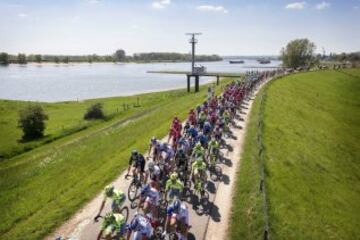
(118, 56)
(300, 53)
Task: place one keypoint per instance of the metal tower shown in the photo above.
(193, 41)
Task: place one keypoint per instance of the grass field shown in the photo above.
(311, 131)
(66, 118)
(45, 186)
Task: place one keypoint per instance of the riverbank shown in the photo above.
(307, 145)
(56, 179)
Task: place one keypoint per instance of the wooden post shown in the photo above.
(196, 83)
(217, 80)
(188, 83)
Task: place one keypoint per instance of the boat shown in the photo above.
(264, 61)
(236, 61)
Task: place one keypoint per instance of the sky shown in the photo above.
(229, 27)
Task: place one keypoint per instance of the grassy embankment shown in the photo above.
(311, 137)
(45, 186)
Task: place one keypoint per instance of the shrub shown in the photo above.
(95, 111)
(32, 122)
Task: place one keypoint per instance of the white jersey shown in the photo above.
(153, 196)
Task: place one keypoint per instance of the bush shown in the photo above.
(95, 111)
(32, 122)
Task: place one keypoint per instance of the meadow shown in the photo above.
(310, 131)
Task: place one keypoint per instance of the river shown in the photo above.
(65, 82)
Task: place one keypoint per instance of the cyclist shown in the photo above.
(114, 223)
(136, 160)
(141, 227)
(203, 140)
(202, 119)
(118, 198)
(181, 160)
(149, 198)
(173, 187)
(154, 143)
(177, 215)
(198, 151)
(198, 171)
(213, 146)
(207, 128)
(192, 117)
(154, 172)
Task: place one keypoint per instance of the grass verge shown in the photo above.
(311, 131)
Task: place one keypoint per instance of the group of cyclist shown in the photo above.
(190, 152)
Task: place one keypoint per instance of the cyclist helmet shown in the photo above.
(198, 145)
(153, 139)
(134, 152)
(181, 151)
(109, 190)
(173, 176)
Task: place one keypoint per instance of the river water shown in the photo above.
(64, 82)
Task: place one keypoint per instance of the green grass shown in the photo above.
(311, 132)
(42, 188)
(65, 118)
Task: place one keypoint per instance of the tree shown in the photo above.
(32, 122)
(56, 59)
(298, 53)
(94, 112)
(21, 58)
(120, 55)
(4, 58)
(66, 59)
(38, 58)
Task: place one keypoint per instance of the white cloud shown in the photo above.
(22, 15)
(161, 4)
(296, 5)
(211, 8)
(322, 5)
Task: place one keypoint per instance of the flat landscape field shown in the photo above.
(310, 133)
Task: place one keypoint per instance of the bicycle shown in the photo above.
(135, 186)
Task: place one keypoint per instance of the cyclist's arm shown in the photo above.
(102, 205)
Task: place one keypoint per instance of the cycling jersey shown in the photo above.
(176, 185)
(213, 144)
(137, 161)
(199, 165)
(118, 198)
(117, 225)
(198, 151)
(151, 195)
(182, 214)
(193, 132)
(143, 228)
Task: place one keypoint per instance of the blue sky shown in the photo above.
(229, 27)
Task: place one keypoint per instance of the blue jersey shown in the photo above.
(193, 132)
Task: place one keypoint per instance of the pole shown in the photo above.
(188, 83)
(196, 83)
(217, 80)
(193, 53)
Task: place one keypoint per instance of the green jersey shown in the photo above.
(118, 196)
(174, 185)
(114, 224)
(200, 165)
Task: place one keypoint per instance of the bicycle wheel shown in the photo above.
(132, 191)
(125, 212)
